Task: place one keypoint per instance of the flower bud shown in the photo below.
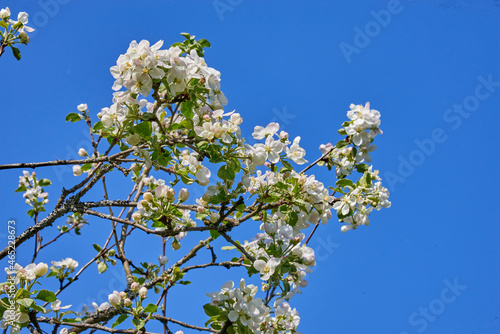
(134, 286)
(183, 195)
(162, 259)
(136, 167)
(143, 292)
(171, 194)
(136, 216)
(77, 170)
(176, 245)
(122, 294)
(114, 299)
(82, 152)
(127, 302)
(214, 217)
(23, 37)
(148, 196)
(270, 228)
(200, 209)
(133, 139)
(82, 107)
(111, 252)
(41, 269)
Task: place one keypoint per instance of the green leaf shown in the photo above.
(157, 223)
(231, 330)
(3, 24)
(214, 234)
(211, 310)
(120, 319)
(97, 247)
(16, 53)
(286, 165)
(204, 43)
(144, 130)
(345, 183)
(44, 182)
(73, 321)
(123, 146)
(228, 247)
(362, 168)
(138, 323)
(20, 189)
(38, 308)
(26, 302)
(187, 109)
(150, 308)
(73, 117)
(46, 296)
(226, 173)
(97, 126)
(341, 143)
(292, 218)
(102, 267)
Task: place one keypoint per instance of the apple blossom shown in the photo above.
(143, 292)
(77, 170)
(162, 259)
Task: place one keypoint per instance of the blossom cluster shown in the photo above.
(242, 308)
(173, 70)
(158, 205)
(19, 281)
(34, 194)
(15, 31)
(272, 149)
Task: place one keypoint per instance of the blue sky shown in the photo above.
(430, 263)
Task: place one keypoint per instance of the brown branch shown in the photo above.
(317, 160)
(65, 162)
(235, 244)
(166, 320)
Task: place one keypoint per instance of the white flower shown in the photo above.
(345, 204)
(261, 132)
(77, 170)
(296, 153)
(266, 269)
(346, 228)
(82, 107)
(22, 17)
(66, 263)
(56, 306)
(5, 13)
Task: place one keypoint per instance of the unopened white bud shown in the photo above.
(133, 139)
(82, 152)
(162, 259)
(77, 170)
(183, 195)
